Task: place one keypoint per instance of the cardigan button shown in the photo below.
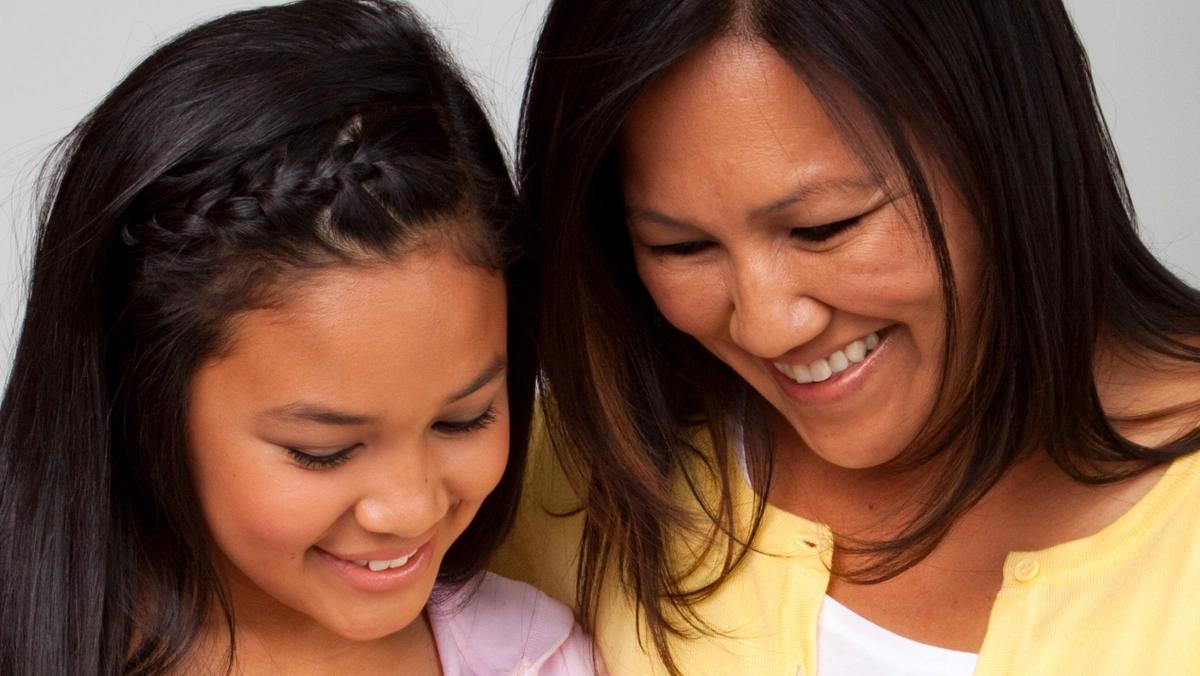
(1026, 570)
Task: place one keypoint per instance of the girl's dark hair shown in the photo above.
(245, 152)
(1001, 94)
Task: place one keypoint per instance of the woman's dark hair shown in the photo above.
(243, 153)
(1001, 94)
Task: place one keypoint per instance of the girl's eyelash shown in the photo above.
(466, 426)
(820, 233)
(331, 460)
(327, 461)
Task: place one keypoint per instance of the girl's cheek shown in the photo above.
(477, 472)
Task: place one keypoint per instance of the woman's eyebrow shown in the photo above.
(803, 191)
(808, 190)
(636, 214)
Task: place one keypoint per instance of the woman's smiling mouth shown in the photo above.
(836, 375)
(826, 367)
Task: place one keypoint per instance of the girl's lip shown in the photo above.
(840, 385)
(364, 579)
(373, 555)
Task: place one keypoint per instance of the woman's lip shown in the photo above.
(840, 385)
(364, 579)
(794, 358)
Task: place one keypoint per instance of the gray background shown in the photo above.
(58, 58)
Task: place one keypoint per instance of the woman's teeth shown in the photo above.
(377, 566)
(823, 369)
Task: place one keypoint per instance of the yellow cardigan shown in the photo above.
(1122, 602)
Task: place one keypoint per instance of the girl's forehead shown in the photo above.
(370, 337)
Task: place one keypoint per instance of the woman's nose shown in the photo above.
(405, 497)
(772, 311)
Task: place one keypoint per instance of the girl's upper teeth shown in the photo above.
(824, 368)
(385, 564)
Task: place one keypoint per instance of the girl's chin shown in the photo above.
(361, 631)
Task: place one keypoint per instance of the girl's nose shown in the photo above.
(405, 499)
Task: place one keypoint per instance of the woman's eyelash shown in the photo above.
(325, 461)
(680, 249)
(817, 233)
(466, 426)
(820, 233)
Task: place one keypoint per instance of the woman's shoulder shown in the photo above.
(494, 625)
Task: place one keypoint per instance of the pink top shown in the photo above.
(494, 625)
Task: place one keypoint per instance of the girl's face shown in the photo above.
(348, 436)
(760, 233)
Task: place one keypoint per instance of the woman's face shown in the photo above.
(348, 436)
(760, 233)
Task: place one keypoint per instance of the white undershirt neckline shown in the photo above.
(849, 644)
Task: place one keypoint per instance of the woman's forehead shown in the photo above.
(734, 117)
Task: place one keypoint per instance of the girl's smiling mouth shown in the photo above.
(380, 570)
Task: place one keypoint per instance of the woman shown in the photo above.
(276, 350)
(882, 253)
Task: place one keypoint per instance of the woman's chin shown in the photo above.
(853, 452)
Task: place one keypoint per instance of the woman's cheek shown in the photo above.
(691, 301)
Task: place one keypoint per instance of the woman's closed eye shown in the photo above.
(812, 234)
(821, 233)
(681, 248)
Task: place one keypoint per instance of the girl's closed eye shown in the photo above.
(456, 427)
(317, 459)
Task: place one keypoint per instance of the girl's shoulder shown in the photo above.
(494, 625)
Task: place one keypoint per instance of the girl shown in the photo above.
(853, 286)
(268, 410)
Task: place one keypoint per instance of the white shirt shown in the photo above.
(849, 644)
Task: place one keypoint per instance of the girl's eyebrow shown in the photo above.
(307, 412)
(496, 367)
(323, 415)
